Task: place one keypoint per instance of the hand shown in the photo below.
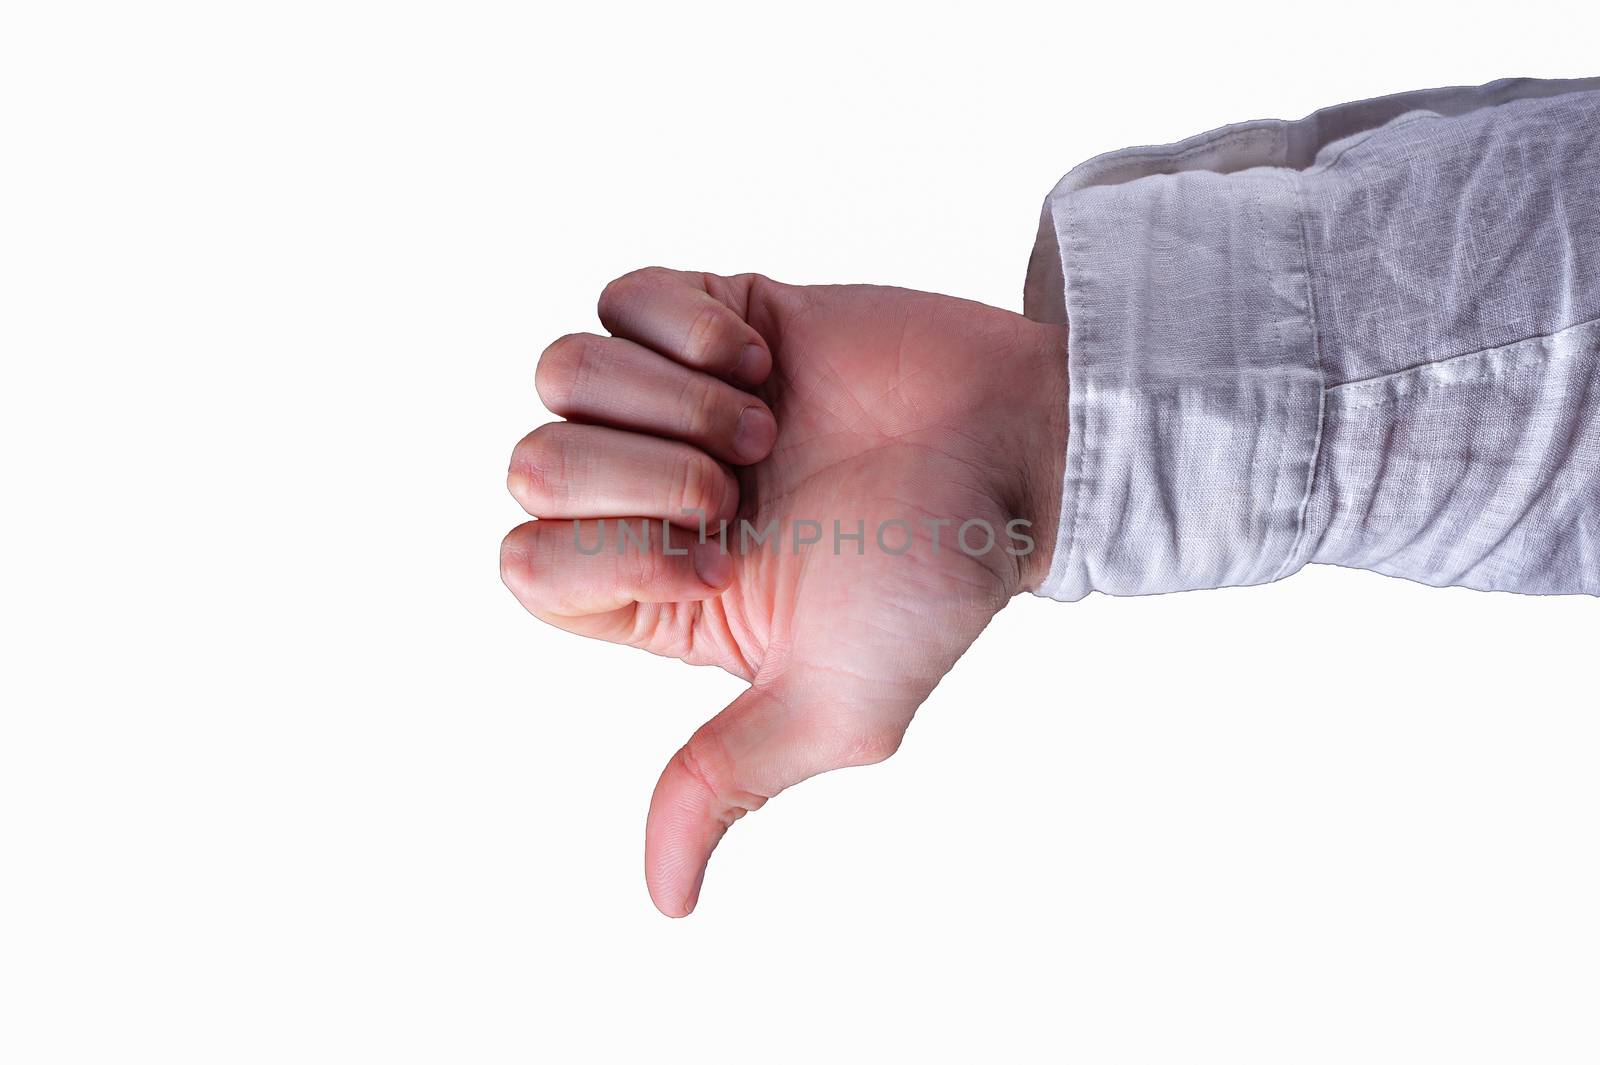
(909, 413)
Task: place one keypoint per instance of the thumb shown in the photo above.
(765, 741)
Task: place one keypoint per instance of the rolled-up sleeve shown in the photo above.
(1367, 338)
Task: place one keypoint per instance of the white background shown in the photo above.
(286, 775)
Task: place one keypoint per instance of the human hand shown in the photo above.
(910, 413)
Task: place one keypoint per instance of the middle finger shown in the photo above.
(566, 470)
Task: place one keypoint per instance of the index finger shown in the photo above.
(680, 315)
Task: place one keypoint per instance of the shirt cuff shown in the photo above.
(1195, 388)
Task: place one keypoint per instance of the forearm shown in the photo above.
(1366, 338)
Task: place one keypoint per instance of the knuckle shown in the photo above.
(516, 564)
(702, 485)
(561, 368)
(852, 733)
(706, 763)
(710, 333)
(541, 467)
(619, 293)
(873, 744)
(693, 756)
(613, 298)
(648, 566)
(701, 402)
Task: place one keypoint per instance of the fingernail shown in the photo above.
(754, 435)
(712, 564)
(694, 893)
(754, 364)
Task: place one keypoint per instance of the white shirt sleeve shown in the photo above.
(1368, 338)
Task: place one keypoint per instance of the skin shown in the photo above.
(747, 398)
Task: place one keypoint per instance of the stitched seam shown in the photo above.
(1079, 489)
(1397, 122)
(1260, 216)
(1316, 355)
(1447, 360)
(1070, 556)
(1425, 387)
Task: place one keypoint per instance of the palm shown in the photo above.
(901, 416)
(872, 391)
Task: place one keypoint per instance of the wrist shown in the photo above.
(1043, 449)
